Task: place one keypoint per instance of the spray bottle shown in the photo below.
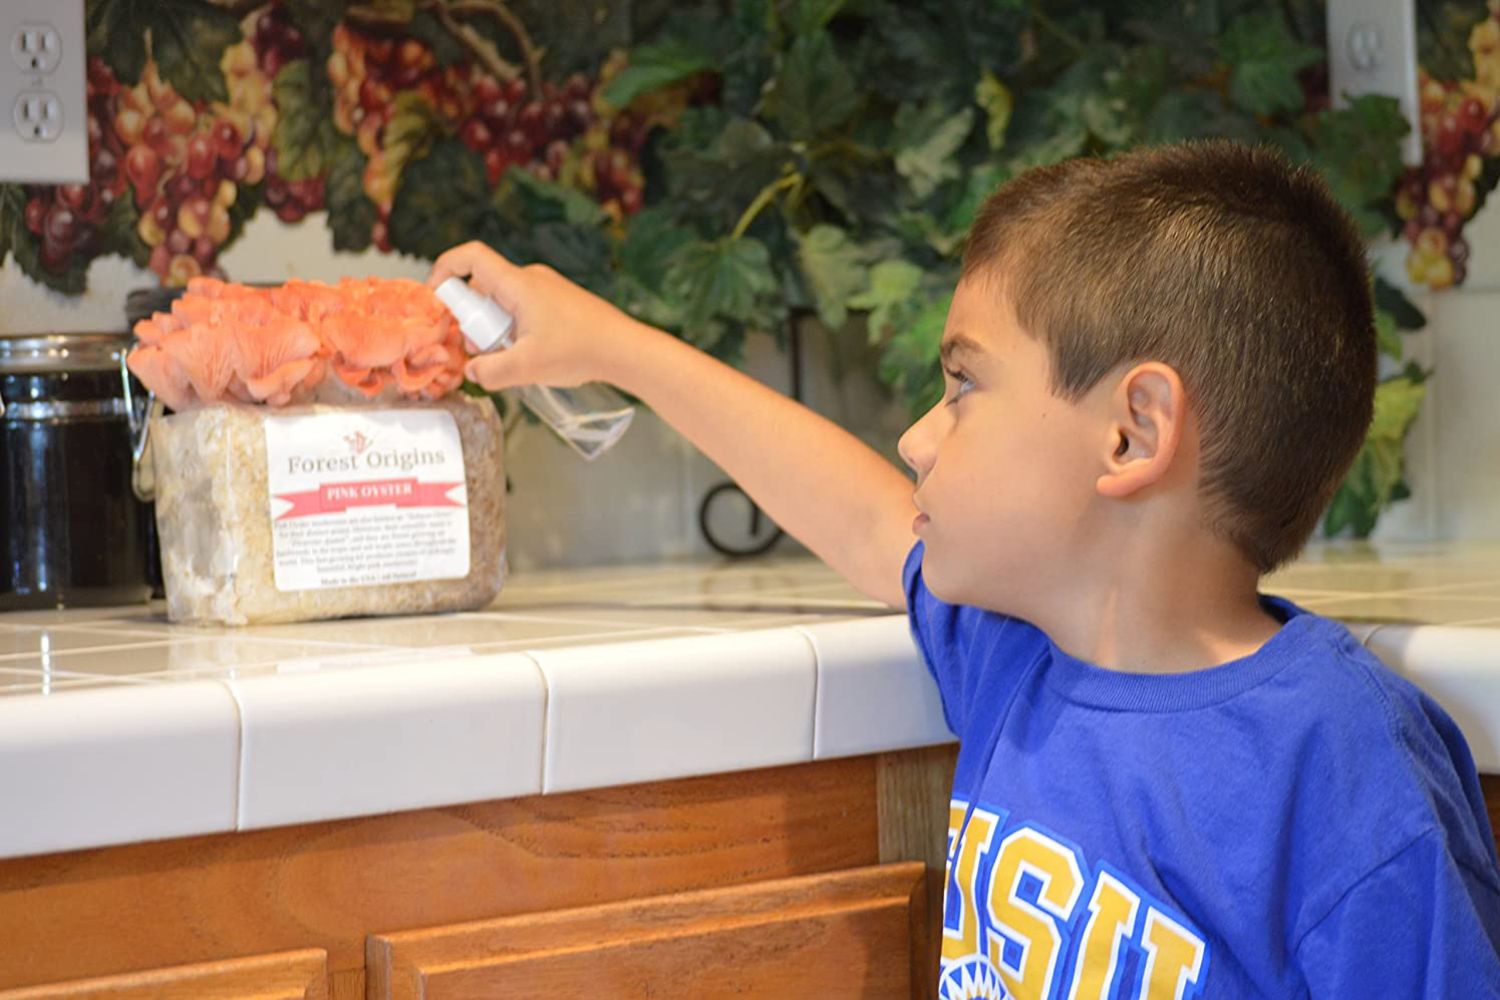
(589, 418)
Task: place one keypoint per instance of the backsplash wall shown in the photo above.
(324, 215)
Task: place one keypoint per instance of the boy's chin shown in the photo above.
(949, 584)
(939, 578)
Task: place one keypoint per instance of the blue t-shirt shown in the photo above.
(1300, 822)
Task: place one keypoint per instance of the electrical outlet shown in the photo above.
(46, 138)
(1372, 49)
(36, 48)
(38, 116)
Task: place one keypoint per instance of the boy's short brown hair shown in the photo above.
(1232, 266)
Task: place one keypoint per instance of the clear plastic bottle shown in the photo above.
(589, 418)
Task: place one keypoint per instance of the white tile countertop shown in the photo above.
(117, 726)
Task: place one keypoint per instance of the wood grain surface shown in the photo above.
(844, 934)
(329, 885)
(291, 975)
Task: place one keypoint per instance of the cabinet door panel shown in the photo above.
(287, 975)
(852, 933)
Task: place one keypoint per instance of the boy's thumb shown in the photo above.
(497, 370)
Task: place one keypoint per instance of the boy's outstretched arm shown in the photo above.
(818, 482)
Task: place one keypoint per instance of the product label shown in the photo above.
(366, 497)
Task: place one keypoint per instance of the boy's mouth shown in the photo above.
(919, 522)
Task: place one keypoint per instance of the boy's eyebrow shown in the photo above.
(959, 343)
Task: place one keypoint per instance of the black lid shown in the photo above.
(142, 302)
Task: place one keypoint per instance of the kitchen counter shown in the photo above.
(118, 727)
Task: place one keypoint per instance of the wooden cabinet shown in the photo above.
(842, 934)
(820, 879)
(288, 975)
(712, 879)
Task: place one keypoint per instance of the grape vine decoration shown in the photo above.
(1460, 128)
(173, 179)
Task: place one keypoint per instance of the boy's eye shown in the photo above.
(961, 382)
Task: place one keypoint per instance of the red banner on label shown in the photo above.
(334, 498)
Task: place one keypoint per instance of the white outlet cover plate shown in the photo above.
(1372, 49)
(42, 71)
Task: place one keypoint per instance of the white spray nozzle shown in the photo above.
(483, 321)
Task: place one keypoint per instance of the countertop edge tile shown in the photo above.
(1459, 668)
(115, 765)
(670, 708)
(397, 726)
(874, 691)
(335, 744)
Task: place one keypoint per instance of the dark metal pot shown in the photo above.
(75, 532)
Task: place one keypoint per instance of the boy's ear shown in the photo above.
(1147, 419)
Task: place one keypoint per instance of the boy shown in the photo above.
(1158, 369)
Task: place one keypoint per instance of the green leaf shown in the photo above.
(305, 135)
(351, 213)
(547, 201)
(910, 361)
(579, 252)
(721, 278)
(1387, 336)
(643, 258)
(717, 164)
(809, 16)
(1376, 477)
(652, 67)
(653, 237)
(813, 91)
(1391, 299)
(187, 38)
(12, 218)
(118, 234)
(893, 283)
(246, 204)
(1264, 60)
(856, 180)
(443, 201)
(316, 19)
(409, 134)
(392, 14)
(1066, 143)
(1358, 150)
(426, 28)
(927, 141)
(1443, 37)
(995, 98)
(834, 270)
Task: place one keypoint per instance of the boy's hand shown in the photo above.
(814, 479)
(564, 335)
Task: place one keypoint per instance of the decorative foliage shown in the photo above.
(722, 166)
(1460, 144)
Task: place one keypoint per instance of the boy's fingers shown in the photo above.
(486, 270)
(488, 370)
(499, 369)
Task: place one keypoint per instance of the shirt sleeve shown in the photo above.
(1420, 925)
(973, 654)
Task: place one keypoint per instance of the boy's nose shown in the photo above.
(915, 446)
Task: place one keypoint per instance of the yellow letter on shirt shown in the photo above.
(1174, 957)
(1111, 921)
(1056, 869)
(974, 843)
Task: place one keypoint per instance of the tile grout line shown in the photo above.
(239, 755)
(1371, 634)
(817, 685)
(546, 721)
